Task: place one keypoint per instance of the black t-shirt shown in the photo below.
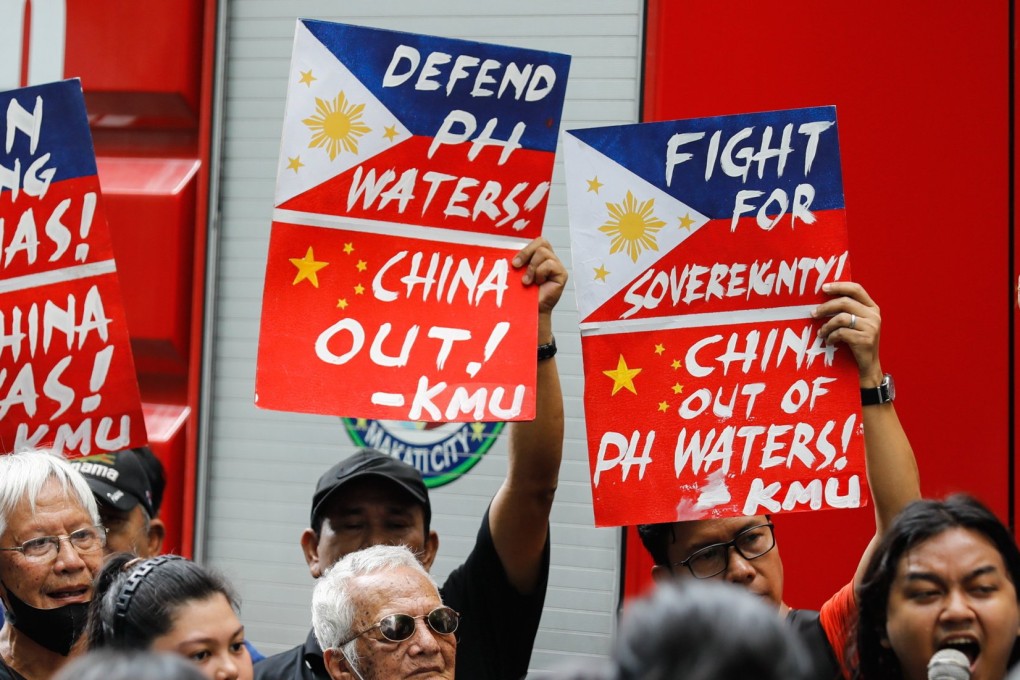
(497, 629)
(807, 625)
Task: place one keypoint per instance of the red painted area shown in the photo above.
(1014, 289)
(137, 48)
(316, 333)
(403, 185)
(923, 132)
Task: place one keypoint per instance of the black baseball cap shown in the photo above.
(157, 475)
(371, 463)
(118, 479)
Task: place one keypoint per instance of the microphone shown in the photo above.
(949, 664)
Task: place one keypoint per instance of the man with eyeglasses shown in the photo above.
(377, 615)
(743, 550)
(128, 485)
(51, 547)
(373, 499)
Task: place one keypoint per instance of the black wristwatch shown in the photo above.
(547, 351)
(883, 394)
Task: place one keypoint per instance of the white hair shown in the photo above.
(333, 600)
(24, 474)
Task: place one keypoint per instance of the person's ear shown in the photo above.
(310, 548)
(157, 534)
(336, 665)
(428, 554)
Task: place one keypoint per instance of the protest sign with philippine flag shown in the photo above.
(67, 378)
(700, 248)
(412, 168)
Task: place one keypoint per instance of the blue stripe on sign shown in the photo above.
(644, 149)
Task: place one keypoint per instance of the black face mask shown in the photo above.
(55, 629)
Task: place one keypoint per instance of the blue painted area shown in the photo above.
(64, 133)
(642, 149)
(367, 52)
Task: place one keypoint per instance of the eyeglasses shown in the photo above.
(45, 548)
(399, 627)
(712, 560)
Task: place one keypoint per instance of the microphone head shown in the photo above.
(949, 664)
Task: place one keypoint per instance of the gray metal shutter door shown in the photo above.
(262, 465)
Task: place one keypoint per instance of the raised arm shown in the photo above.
(519, 516)
(892, 470)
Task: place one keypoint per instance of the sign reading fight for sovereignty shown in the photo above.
(700, 248)
(67, 379)
(412, 169)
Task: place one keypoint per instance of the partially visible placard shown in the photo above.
(700, 248)
(67, 378)
(412, 168)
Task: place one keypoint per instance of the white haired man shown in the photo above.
(377, 615)
(51, 547)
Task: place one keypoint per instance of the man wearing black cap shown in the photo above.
(372, 499)
(128, 485)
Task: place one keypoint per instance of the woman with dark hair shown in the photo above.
(943, 577)
(169, 604)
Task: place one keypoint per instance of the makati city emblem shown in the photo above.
(442, 452)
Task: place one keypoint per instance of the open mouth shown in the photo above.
(70, 595)
(969, 646)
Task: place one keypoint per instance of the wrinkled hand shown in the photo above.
(544, 269)
(855, 320)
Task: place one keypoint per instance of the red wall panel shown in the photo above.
(137, 47)
(146, 69)
(921, 91)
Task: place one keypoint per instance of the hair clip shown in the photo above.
(134, 580)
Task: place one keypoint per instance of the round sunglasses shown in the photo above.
(399, 627)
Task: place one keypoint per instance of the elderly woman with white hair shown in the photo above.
(51, 547)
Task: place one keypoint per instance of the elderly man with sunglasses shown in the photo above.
(51, 547)
(377, 615)
(743, 550)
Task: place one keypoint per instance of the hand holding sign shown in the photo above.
(853, 319)
(544, 269)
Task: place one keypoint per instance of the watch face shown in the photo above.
(890, 387)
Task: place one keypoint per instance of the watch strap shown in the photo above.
(547, 351)
(882, 394)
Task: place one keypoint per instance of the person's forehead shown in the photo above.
(697, 533)
(371, 491)
(401, 590)
(954, 553)
(54, 509)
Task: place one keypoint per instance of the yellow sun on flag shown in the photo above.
(336, 124)
(632, 226)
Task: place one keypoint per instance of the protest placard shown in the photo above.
(412, 168)
(700, 248)
(67, 378)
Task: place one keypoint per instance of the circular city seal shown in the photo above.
(442, 452)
